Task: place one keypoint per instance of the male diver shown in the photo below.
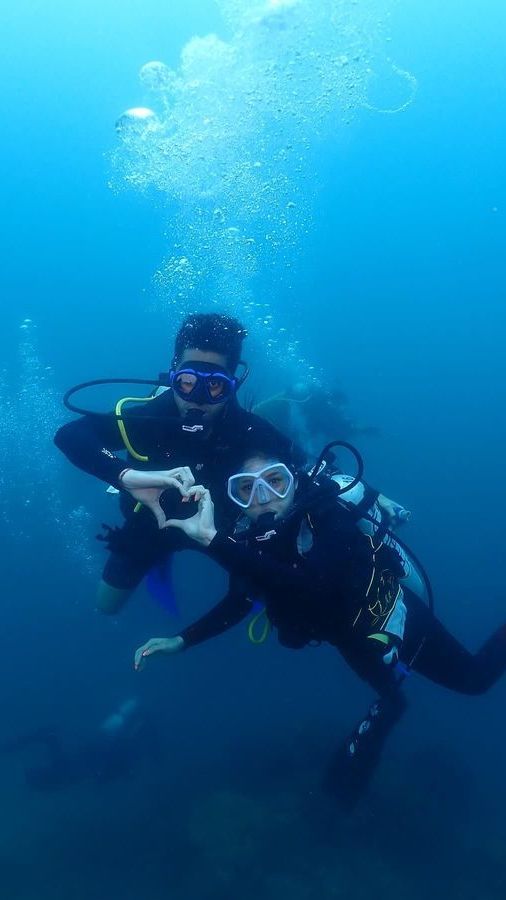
(196, 426)
(297, 547)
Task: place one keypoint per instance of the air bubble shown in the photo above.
(229, 136)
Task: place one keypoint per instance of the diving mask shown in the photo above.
(274, 480)
(202, 383)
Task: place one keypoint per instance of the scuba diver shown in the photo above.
(321, 578)
(310, 413)
(195, 425)
(123, 739)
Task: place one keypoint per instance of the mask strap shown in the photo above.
(240, 379)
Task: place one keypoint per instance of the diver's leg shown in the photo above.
(430, 649)
(355, 761)
(110, 600)
(445, 661)
(135, 548)
(122, 574)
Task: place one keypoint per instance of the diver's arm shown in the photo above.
(396, 514)
(363, 499)
(89, 443)
(234, 607)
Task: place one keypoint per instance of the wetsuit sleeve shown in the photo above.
(234, 607)
(89, 443)
(261, 568)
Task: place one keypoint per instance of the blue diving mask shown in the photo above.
(202, 383)
(273, 480)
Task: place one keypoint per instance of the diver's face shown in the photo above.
(277, 505)
(211, 410)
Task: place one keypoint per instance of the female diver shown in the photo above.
(296, 546)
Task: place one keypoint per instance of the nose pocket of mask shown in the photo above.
(262, 494)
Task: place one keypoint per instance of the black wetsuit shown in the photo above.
(324, 594)
(320, 595)
(155, 430)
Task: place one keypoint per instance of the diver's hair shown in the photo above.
(272, 451)
(211, 332)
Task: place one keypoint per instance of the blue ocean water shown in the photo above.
(376, 240)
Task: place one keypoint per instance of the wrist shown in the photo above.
(122, 474)
(208, 536)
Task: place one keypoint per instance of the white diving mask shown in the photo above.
(274, 480)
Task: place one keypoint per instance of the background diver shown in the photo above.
(111, 751)
(312, 414)
(298, 548)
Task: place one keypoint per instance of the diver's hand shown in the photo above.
(395, 513)
(199, 527)
(157, 645)
(180, 478)
(148, 487)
